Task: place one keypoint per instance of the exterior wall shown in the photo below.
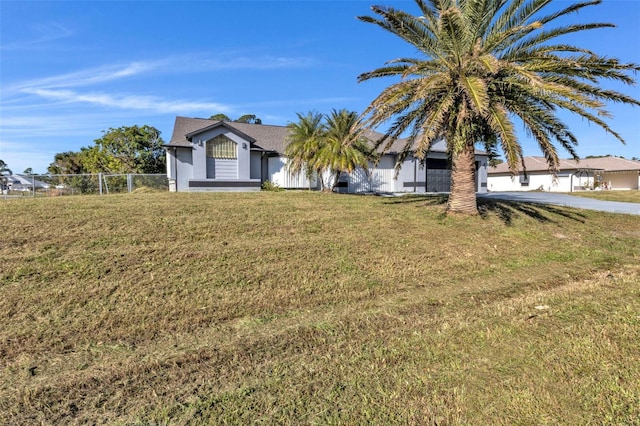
(566, 181)
(222, 168)
(199, 155)
(382, 175)
(184, 162)
(622, 180)
(279, 175)
(256, 165)
(413, 176)
(189, 169)
(171, 169)
(179, 168)
(208, 185)
(378, 178)
(481, 174)
(357, 182)
(537, 181)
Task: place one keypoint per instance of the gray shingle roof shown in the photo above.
(263, 136)
(536, 164)
(269, 138)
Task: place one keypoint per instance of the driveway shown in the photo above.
(565, 200)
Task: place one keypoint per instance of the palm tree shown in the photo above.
(345, 147)
(327, 149)
(4, 169)
(487, 63)
(304, 140)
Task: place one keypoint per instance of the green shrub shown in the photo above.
(270, 186)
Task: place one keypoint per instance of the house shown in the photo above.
(210, 155)
(589, 173)
(24, 183)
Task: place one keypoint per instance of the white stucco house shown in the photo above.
(210, 155)
(589, 173)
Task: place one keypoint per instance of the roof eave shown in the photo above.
(243, 135)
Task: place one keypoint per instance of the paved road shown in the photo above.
(565, 200)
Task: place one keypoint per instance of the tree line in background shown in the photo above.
(247, 118)
(127, 149)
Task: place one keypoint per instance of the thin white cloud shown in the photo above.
(161, 106)
(259, 62)
(87, 77)
(183, 64)
(146, 103)
(301, 101)
(176, 64)
(44, 33)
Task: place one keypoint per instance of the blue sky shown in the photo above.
(70, 70)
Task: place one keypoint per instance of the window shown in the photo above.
(222, 147)
(524, 179)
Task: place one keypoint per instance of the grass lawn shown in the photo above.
(307, 308)
(626, 196)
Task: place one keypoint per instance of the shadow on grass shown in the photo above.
(508, 210)
(505, 210)
(429, 200)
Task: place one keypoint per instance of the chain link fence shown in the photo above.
(15, 186)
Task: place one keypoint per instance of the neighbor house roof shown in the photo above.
(262, 136)
(611, 164)
(537, 164)
(26, 181)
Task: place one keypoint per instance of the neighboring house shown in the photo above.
(589, 173)
(25, 183)
(209, 155)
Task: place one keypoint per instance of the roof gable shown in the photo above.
(216, 125)
(261, 136)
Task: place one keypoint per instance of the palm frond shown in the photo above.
(484, 64)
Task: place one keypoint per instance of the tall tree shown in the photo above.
(67, 163)
(327, 148)
(134, 149)
(484, 64)
(131, 149)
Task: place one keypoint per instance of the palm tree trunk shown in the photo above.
(463, 183)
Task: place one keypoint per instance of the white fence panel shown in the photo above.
(280, 175)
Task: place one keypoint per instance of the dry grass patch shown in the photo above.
(289, 308)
